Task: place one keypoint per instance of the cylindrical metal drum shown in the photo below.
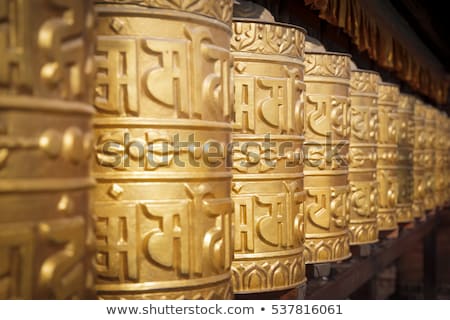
(363, 157)
(388, 97)
(268, 128)
(405, 158)
(447, 160)
(46, 75)
(327, 132)
(163, 202)
(429, 157)
(419, 160)
(440, 154)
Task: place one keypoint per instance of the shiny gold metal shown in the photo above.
(419, 160)
(388, 98)
(46, 74)
(447, 160)
(440, 154)
(163, 205)
(429, 157)
(405, 158)
(327, 132)
(363, 157)
(268, 137)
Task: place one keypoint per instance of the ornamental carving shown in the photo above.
(327, 134)
(267, 158)
(388, 93)
(220, 10)
(267, 38)
(364, 81)
(327, 65)
(46, 75)
(163, 205)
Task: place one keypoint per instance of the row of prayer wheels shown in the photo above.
(159, 150)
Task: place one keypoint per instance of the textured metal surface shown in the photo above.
(163, 205)
(440, 147)
(429, 156)
(405, 158)
(46, 73)
(419, 160)
(363, 157)
(268, 128)
(387, 150)
(327, 132)
(447, 161)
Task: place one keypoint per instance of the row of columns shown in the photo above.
(173, 153)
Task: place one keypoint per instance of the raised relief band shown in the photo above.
(267, 156)
(163, 206)
(362, 157)
(327, 133)
(387, 156)
(405, 158)
(46, 75)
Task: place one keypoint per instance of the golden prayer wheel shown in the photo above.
(405, 158)
(387, 155)
(162, 205)
(447, 160)
(268, 128)
(429, 157)
(363, 157)
(327, 132)
(440, 154)
(419, 160)
(46, 75)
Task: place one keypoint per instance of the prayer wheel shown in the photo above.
(327, 133)
(362, 157)
(405, 158)
(440, 154)
(387, 150)
(430, 157)
(267, 156)
(163, 205)
(419, 160)
(447, 161)
(46, 77)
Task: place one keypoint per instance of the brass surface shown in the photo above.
(218, 10)
(162, 205)
(327, 132)
(419, 160)
(268, 128)
(405, 158)
(46, 74)
(387, 156)
(363, 157)
(430, 156)
(447, 161)
(440, 152)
